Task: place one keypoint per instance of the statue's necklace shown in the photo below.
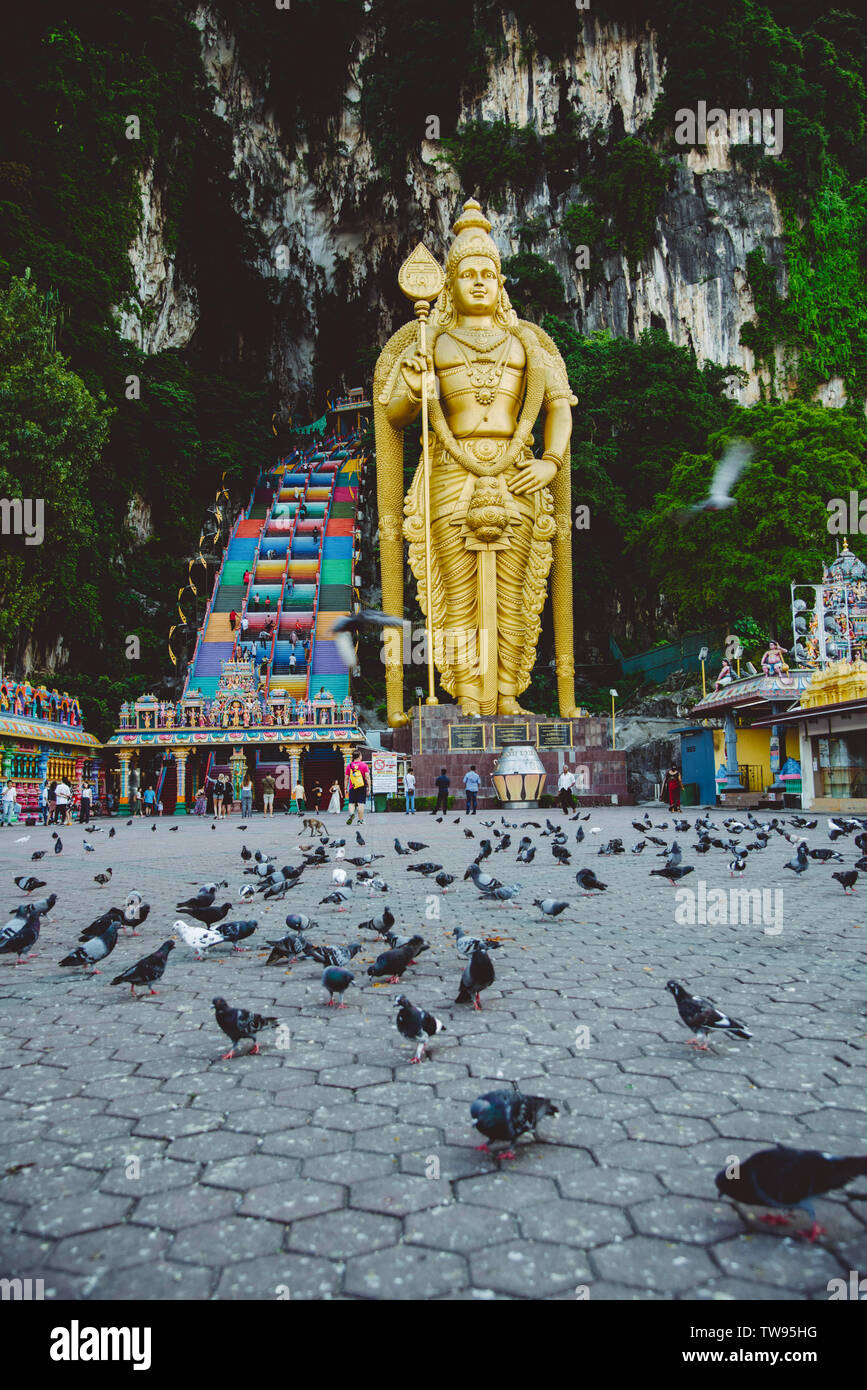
(486, 373)
(481, 339)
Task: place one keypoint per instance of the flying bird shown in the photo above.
(345, 631)
(726, 476)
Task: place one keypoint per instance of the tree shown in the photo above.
(743, 560)
(51, 433)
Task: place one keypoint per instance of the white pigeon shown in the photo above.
(246, 891)
(729, 469)
(22, 839)
(198, 938)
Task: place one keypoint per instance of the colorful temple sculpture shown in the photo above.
(42, 735)
(266, 692)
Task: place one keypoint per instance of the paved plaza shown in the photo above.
(137, 1164)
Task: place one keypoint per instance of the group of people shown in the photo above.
(56, 802)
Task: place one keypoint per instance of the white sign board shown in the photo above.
(384, 773)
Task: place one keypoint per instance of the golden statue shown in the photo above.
(499, 516)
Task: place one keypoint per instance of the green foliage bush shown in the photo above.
(492, 157)
(534, 285)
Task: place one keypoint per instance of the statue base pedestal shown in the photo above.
(440, 736)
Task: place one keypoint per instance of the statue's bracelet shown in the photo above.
(549, 457)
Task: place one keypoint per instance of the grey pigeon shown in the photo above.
(789, 1178)
(478, 975)
(551, 907)
(336, 981)
(702, 1016)
(18, 937)
(503, 1116)
(147, 970)
(96, 948)
(238, 1024)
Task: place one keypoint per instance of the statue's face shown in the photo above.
(476, 285)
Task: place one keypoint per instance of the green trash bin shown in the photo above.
(690, 794)
(379, 800)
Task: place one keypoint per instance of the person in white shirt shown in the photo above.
(564, 787)
(10, 796)
(409, 791)
(64, 796)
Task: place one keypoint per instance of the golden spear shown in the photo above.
(421, 280)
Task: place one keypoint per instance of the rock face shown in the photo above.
(331, 236)
(166, 311)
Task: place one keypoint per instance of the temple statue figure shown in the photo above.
(500, 517)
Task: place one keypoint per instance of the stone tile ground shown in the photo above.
(136, 1164)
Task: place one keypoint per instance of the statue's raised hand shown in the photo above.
(411, 370)
(534, 474)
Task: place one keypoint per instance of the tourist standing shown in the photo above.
(300, 798)
(43, 801)
(356, 787)
(672, 788)
(51, 802)
(64, 798)
(565, 783)
(246, 797)
(335, 805)
(10, 797)
(269, 786)
(85, 803)
(229, 796)
(150, 800)
(472, 782)
(409, 792)
(442, 786)
(219, 792)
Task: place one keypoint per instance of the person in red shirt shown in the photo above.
(233, 619)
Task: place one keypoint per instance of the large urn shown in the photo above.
(519, 777)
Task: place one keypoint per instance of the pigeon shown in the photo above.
(672, 874)
(58, 845)
(339, 896)
(399, 848)
(579, 836)
(737, 866)
(28, 884)
(503, 1116)
(246, 892)
(526, 856)
(416, 846)
(359, 839)
(726, 475)
(336, 981)
(394, 963)
(114, 916)
(416, 1025)
(289, 948)
(800, 863)
(484, 882)
(847, 880)
(172, 828)
(702, 1016)
(427, 868)
(639, 846)
(550, 907)
(198, 938)
(825, 855)
(134, 913)
(588, 882)
(789, 1178)
(333, 955)
(562, 854)
(204, 898)
(37, 855)
(245, 853)
(102, 879)
(96, 948)
(238, 1024)
(88, 849)
(208, 915)
(339, 877)
(835, 830)
(614, 847)
(381, 924)
(147, 970)
(235, 932)
(18, 937)
(444, 880)
(40, 907)
(502, 895)
(466, 943)
(345, 631)
(478, 974)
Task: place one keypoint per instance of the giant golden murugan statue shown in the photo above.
(499, 516)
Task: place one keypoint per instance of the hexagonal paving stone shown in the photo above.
(686, 1218)
(225, 1241)
(246, 1171)
(341, 1234)
(69, 1215)
(655, 1264)
(779, 1260)
(405, 1272)
(288, 1201)
(397, 1194)
(461, 1227)
(188, 1206)
(349, 1166)
(505, 1191)
(529, 1269)
(114, 1248)
(156, 1282)
(153, 1175)
(286, 1276)
(306, 1141)
(580, 1224)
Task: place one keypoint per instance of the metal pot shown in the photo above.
(519, 776)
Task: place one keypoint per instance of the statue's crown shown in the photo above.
(471, 238)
